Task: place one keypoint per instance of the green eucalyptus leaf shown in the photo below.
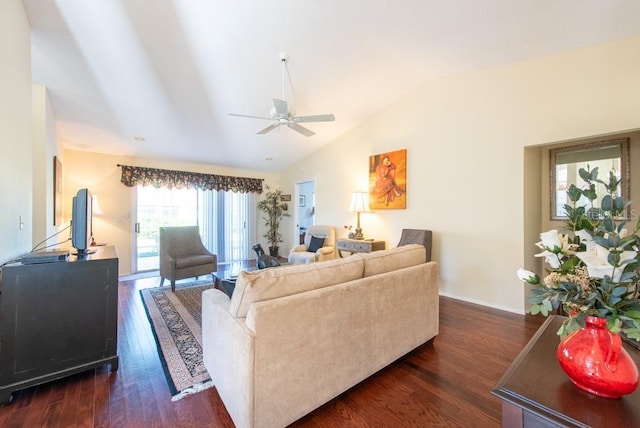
(613, 324)
(609, 225)
(574, 193)
(584, 174)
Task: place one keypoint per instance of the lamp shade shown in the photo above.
(95, 206)
(359, 202)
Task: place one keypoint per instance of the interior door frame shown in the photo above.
(297, 211)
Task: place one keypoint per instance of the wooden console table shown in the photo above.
(359, 246)
(535, 392)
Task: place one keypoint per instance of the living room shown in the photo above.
(477, 152)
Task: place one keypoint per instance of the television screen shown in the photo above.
(81, 217)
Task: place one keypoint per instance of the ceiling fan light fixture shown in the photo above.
(280, 113)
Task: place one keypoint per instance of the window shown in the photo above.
(227, 221)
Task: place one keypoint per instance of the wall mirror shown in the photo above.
(565, 162)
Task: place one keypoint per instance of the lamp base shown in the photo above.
(358, 235)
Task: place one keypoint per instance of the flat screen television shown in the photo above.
(81, 216)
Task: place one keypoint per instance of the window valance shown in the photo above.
(136, 175)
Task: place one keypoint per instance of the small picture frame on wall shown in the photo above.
(285, 198)
(303, 201)
(57, 191)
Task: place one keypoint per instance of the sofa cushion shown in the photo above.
(395, 258)
(315, 244)
(283, 281)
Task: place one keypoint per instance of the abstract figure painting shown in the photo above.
(388, 180)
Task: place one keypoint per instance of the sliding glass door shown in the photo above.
(227, 222)
(157, 208)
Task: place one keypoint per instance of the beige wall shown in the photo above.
(15, 131)
(45, 147)
(99, 173)
(466, 137)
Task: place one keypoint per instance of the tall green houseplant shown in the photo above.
(273, 210)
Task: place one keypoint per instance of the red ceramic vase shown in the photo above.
(596, 362)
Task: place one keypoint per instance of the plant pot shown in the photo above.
(273, 251)
(595, 361)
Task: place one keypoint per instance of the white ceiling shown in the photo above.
(171, 70)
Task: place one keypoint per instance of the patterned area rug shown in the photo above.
(176, 321)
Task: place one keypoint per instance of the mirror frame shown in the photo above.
(625, 170)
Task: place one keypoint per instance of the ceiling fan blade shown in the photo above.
(282, 109)
(246, 115)
(301, 129)
(314, 118)
(268, 128)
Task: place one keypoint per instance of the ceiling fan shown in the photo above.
(281, 115)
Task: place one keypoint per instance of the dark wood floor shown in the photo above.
(445, 383)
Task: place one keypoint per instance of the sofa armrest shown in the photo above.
(228, 354)
(299, 248)
(325, 250)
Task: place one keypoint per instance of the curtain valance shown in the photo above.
(136, 175)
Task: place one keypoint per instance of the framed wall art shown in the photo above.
(388, 180)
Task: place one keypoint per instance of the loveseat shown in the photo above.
(292, 338)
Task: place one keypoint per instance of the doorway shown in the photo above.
(306, 212)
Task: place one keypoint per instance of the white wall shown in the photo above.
(465, 137)
(45, 148)
(15, 131)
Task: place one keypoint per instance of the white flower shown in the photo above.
(552, 259)
(598, 265)
(585, 238)
(550, 241)
(528, 276)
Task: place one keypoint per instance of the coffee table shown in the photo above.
(226, 280)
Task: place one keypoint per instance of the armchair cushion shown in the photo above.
(315, 244)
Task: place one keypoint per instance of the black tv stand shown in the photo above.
(84, 253)
(57, 319)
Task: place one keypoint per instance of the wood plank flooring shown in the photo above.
(445, 383)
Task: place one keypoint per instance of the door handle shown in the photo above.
(137, 227)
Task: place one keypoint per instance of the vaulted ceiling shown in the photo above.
(158, 78)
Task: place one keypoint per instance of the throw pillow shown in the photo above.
(315, 244)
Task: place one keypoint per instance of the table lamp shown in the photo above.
(359, 204)
(95, 210)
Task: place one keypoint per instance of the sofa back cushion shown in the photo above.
(283, 281)
(395, 258)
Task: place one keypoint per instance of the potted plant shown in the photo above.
(594, 276)
(273, 210)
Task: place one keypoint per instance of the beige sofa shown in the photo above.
(292, 338)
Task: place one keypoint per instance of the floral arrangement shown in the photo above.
(348, 229)
(595, 269)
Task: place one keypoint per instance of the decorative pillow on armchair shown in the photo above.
(315, 244)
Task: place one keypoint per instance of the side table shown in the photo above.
(535, 392)
(359, 246)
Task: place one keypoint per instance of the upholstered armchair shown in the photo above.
(319, 245)
(417, 236)
(182, 255)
